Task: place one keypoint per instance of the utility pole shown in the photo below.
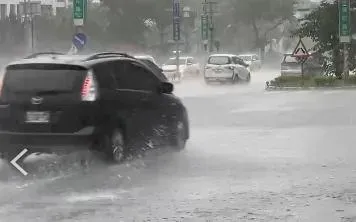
(32, 29)
(28, 34)
(208, 9)
(345, 31)
(177, 33)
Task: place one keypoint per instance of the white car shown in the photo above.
(146, 57)
(252, 60)
(187, 66)
(226, 68)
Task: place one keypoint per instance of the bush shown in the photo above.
(290, 81)
(351, 80)
(323, 81)
(308, 81)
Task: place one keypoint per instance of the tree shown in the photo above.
(321, 25)
(126, 20)
(263, 16)
(159, 12)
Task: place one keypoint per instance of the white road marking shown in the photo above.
(13, 162)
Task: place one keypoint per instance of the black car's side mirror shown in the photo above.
(166, 87)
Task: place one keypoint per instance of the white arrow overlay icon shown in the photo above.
(13, 162)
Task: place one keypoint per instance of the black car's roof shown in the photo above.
(80, 60)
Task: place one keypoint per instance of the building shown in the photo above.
(36, 7)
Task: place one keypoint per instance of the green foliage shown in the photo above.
(264, 16)
(308, 81)
(267, 10)
(289, 81)
(323, 81)
(321, 25)
(127, 18)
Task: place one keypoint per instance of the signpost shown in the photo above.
(79, 40)
(79, 8)
(205, 30)
(345, 30)
(301, 54)
(205, 27)
(176, 31)
(79, 17)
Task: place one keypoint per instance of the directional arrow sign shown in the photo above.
(13, 162)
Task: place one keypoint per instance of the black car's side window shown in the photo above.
(142, 78)
(134, 77)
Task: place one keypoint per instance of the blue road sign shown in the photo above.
(79, 40)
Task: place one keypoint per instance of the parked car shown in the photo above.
(187, 66)
(226, 68)
(252, 60)
(108, 102)
(290, 66)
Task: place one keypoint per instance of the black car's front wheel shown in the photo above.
(179, 137)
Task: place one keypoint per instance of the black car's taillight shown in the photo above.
(89, 90)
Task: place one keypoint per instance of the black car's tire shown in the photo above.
(179, 137)
(114, 146)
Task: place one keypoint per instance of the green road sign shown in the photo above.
(344, 21)
(204, 27)
(79, 11)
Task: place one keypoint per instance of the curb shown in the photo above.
(296, 88)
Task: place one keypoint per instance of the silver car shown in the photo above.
(252, 60)
(226, 68)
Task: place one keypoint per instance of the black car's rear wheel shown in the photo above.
(179, 137)
(114, 146)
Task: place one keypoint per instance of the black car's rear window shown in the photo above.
(43, 78)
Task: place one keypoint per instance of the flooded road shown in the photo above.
(253, 156)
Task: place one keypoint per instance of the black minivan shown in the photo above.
(108, 102)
